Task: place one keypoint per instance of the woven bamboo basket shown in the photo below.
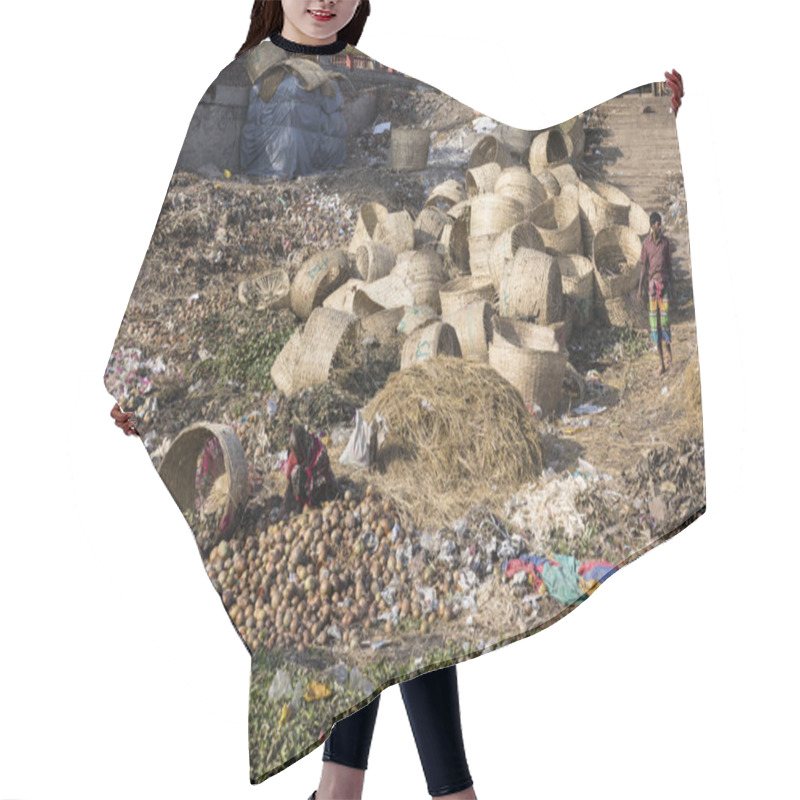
(445, 195)
(408, 148)
(624, 310)
(565, 175)
(558, 222)
(428, 342)
(598, 211)
(506, 244)
(577, 281)
(180, 470)
(423, 274)
(415, 317)
(549, 149)
(455, 244)
(388, 292)
(374, 260)
(638, 219)
(397, 231)
(530, 288)
(369, 216)
(490, 149)
(574, 128)
(492, 213)
(282, 371)
(616, 254)
(473, 326)
(460, 209)
(324, 333)
(270, 290)
(530, 359)
(519, 184)
(480, 251)
(460, 292)
(316, 279)
(549, 182)
(342, 298)
(382, 324)
(481, 179)
(517, 140)
(428, 226)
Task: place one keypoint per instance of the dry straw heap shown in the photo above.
(462, 426)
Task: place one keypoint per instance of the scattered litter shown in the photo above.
(588, 408)
(281, 686)
(359, 683)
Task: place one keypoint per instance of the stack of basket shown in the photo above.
(521, 250)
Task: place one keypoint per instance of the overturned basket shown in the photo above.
(205, 471)
(269, 290)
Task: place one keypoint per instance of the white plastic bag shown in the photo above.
(362, 447)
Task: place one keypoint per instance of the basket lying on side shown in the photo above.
(574, 128)
(531, 359)
(429, 342)
(549, 149)
(482, 179)
(445, 195)
(624, 310)
(490, 149)
(505, 246)
(319, 275)
(577, 281)
(269, 290)
(324, 333)
(565, 175)
(423, 274)
(616, 253)
(180, 467)
(369, 216)
(428, 226)
(374, 260)
(492, 213)
(531, 288)
(559, 224)
(639, 219)
(519, 184)
(549, 183)
(382, 324)
(480, 254)
(415, 317)
(342, 298)
(282, 371)
(601, 205)
(460, 292)
(473, 326)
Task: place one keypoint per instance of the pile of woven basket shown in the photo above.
(499, 269)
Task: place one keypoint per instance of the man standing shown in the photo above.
(656, 259)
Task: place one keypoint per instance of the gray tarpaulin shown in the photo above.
(297, 132)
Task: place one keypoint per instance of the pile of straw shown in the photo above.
(458, 433)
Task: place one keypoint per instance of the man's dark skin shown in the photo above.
(655, 233)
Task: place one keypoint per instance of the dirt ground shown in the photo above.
(632, 443)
